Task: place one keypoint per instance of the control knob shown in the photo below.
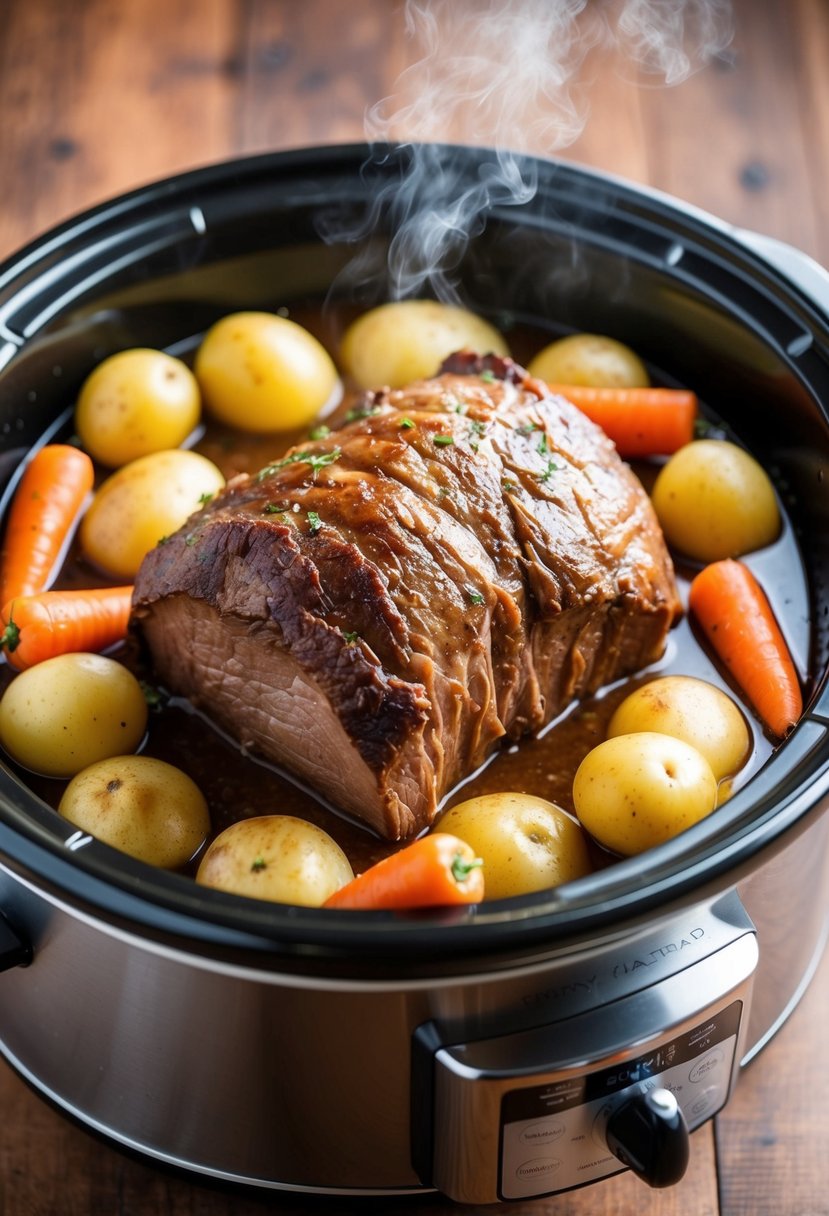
(648, 1133)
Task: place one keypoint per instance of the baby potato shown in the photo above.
(142, 502)
(633, 792)
(714, 500)
(136, 402)
(590, 359)
(142, 806)
(66, 713)
(692, 710)
(276, 857)
(408, 340)
(260, 372)
(527, 843)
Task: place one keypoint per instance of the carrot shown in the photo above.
(45, 506)
(434, 871)
(737, 619)
(41, 626)
(640, 421)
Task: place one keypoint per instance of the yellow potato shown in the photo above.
(142, 806)
(714, 500)
(636, 791)
(527, 844)
(692, 710)
(276, 857)
(408, 340)
(260, 372)
(136, 402)
(65, 713)
(141, 503)
(590, 359)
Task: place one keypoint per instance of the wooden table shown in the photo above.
(100, 96)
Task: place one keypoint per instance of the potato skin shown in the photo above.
(527, 843)
(713, 500)
(136, 402)
(65, 713)
(141, 503)
(407, 340)
(141, 806)
(590, 359)
(261, 373)
(634, 792)
(278, 858)
(692, 710)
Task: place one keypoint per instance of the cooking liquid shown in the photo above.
(238, 786)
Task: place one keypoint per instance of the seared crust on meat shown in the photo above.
(454, 567)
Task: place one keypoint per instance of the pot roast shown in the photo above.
(379, 608)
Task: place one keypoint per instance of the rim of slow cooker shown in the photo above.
(41, 847)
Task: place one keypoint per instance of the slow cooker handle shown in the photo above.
(13, 951)
(648, 1133)
(803, 270)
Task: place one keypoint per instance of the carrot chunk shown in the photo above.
(737, 620)
(640, 421)
(434, 871)
(45, 506)
(38, 627)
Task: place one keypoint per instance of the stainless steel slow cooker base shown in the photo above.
(307, 1085)
(292, 1082)
(295, 1049)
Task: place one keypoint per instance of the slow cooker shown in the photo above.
(524, 1047)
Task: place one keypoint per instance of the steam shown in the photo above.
(674, 38)
(495, 73)
(506, 75)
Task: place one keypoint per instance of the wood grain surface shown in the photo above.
(99, 96)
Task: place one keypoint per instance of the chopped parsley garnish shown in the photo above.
(476, 428)
(315, 521)
(406, 424)
(488, 376)
(475, 597)
(204, 499)
(316, 461)
(191, 539)
(542, 448)
(319, 432)
(350, 637)
(548, 472)
(258, 863)
(361, 411)
(156, 698)
(528, 427)
(273, 508)
(507, 484)
(443, 441)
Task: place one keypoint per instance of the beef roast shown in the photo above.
(379, 608)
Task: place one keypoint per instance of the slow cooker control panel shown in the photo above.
(555, 1136)
(620, 1085)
